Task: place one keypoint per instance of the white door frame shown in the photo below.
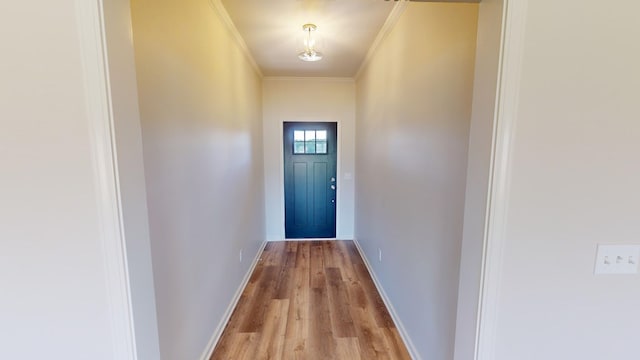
(339, 209)
(101, 125)
(513, 31)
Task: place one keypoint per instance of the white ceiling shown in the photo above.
(272, 30)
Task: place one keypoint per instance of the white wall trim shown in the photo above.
(513, 31)
(101, 126)
(387, 302)
(387, 27)
(310, 78)
(208, 351)
(235, 34)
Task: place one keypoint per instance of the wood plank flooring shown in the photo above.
(310, 300)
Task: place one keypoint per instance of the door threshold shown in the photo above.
(309, 239)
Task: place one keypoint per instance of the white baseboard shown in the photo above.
(392, 311)
(208, 351)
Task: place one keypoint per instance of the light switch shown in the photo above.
(617, 259)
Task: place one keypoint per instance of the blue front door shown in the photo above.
(310, 179)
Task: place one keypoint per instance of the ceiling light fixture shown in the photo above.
(310, 52)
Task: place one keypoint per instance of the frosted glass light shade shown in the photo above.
(310, 55)
(310, 52)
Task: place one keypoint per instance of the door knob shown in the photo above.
(333, 187)
(333, 179)
(333, 201)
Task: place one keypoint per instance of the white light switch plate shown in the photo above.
(617, 259)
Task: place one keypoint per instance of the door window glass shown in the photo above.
(321, 142)
(298, 142)
(310, 142)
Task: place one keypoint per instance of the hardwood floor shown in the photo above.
(310, 300)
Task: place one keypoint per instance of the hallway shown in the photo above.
(488, 152)
(310, 300)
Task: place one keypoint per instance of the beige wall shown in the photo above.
(413, 115)
(308, 99)
(200, 102)
(54, 291)
(574, 176)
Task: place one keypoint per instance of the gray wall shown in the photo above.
(200, 102)
(55, 299)
(574, 175)
(413, 112)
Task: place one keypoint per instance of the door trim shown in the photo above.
(338, 175)
(289, 161)
(107, 187)
(504, 124)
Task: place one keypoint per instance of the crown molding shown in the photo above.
(235, 34)
(309, 78)
(389, 24)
